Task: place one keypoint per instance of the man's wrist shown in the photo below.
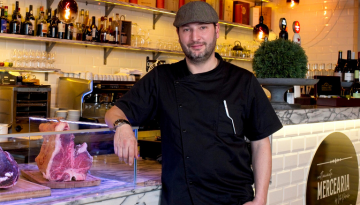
(119, 123)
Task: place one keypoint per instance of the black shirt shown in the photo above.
(203, 160)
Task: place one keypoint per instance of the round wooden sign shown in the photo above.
(334, 176)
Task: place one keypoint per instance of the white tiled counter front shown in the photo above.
(294, 146)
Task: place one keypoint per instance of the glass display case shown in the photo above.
(31, 149)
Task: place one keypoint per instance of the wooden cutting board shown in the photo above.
(24, 189)
(37, 177)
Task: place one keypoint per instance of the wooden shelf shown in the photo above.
(146, 9)
(94, 44)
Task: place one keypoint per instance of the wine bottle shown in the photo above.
(61, 30)
(54, 26)
(15, 25)
(32, 18)
(48, 22)
(69, 31)
(356, 90)
(37, 20)
(338, 68)
(116, 31)
(28, 28)
(109, 32)
(357, 69)
(42, 28)
(94, 30)
(103, 30)
(348, 69)
(7, 18)
(3, 22)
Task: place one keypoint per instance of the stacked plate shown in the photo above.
(61, 113)
(73, 115)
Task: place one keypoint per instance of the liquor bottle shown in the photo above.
(53, 30)
(28, 28)
(94, 31)
(61, 30)
(283, 33)
(88, 32)
(32, 18)
(1, 5)
(81, 17)
(116, 29)
(348, 69)
(357, 69)
(79, 32)
(42, 26)
(3, 22)
(48, 22)
(15, 25)
(69, 29)
(109, 32)
(7, 18)
(339, 69)
(103, 30)
(86, 18)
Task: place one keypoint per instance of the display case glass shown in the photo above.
(94, 138)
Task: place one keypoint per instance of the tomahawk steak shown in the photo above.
(9, 170)
(58, 159)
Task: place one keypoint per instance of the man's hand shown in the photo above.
(125, 144)
(255, 202)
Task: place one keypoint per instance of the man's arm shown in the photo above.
(261, 162)
(125, 143)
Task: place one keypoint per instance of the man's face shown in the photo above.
(198, 40)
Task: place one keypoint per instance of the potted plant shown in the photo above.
(279, 65)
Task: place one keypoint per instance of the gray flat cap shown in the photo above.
(195, 11)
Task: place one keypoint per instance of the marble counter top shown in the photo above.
(305, 116)
(116, 183)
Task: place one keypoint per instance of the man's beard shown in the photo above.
(201, 57)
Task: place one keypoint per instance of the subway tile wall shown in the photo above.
(292, 156)
(327, 26)
(80, 58)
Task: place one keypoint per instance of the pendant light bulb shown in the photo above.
(67, 10)
(260, 31)
(292, 3)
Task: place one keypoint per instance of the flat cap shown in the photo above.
(195, 11)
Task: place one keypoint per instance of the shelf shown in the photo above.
(146, 9)
(107, 48)
(39, 70)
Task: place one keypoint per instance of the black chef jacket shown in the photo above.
(203, 160)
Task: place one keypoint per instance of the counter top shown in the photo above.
(314, 115)
(115, 183)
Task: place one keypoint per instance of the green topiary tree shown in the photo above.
(280, 59)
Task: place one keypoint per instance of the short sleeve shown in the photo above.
(261, 119)
(140, 103)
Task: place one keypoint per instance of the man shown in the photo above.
(205, 107)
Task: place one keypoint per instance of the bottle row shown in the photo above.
(110, 30)
(348, 70)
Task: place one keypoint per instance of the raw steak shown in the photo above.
(9, 170)
(58, 159)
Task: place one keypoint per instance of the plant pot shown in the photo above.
(278, 86)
